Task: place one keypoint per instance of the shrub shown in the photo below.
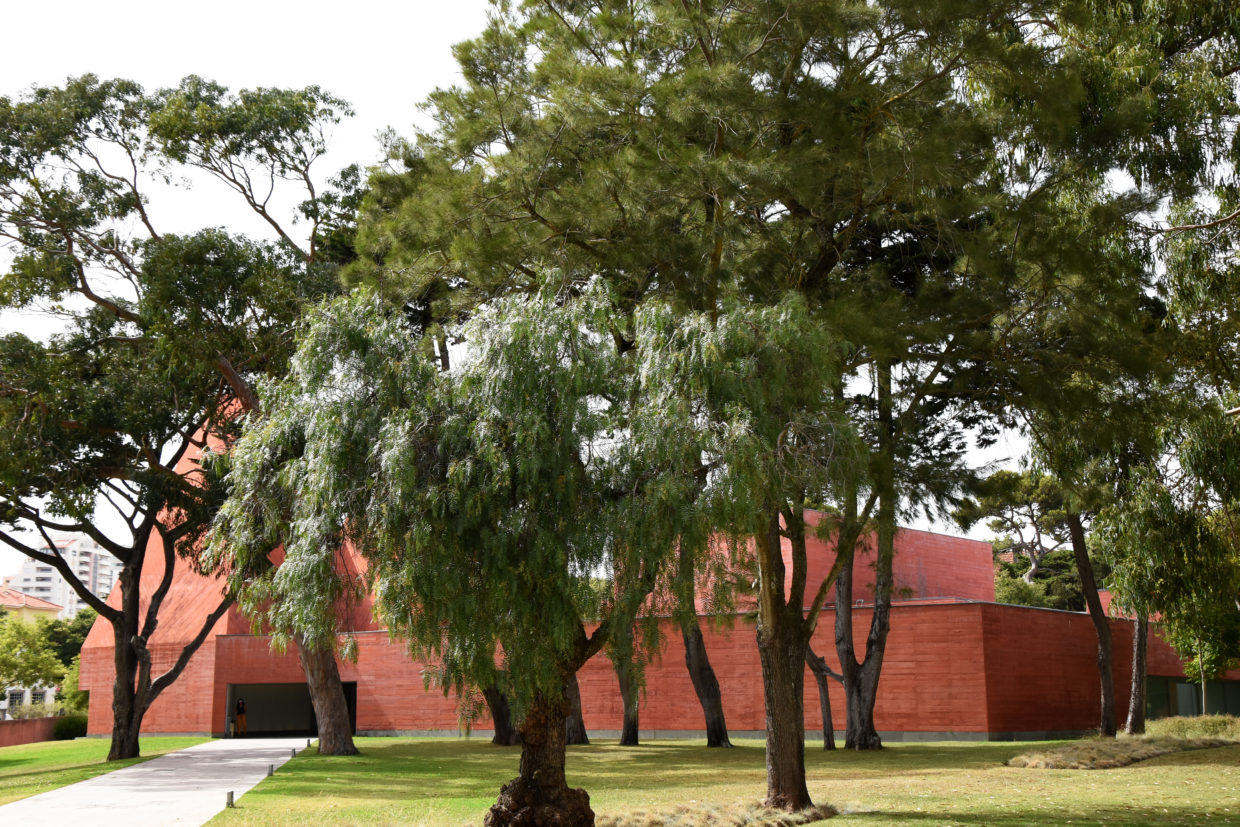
(27, 711)
(69, 727)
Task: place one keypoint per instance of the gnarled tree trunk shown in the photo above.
(1102, 628)
(821, 672)
(506, 734)
(331, 709)
(860, 678)
(574, 723)
(540, 795)
(135, 688)
(781, 649)
(1135, 725)
(705, 684)
(629, 694)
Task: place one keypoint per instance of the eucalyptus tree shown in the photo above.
(746, 149)
(160, 334)
(487, 501)
(1174, 549)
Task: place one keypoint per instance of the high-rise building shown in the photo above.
(94, 567)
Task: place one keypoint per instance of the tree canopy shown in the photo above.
(160, 334)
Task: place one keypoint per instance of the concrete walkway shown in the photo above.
(186, 788)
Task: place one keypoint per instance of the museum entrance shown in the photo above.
(281, 708)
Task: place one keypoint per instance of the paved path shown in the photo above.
(185, 788)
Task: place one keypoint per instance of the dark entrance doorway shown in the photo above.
(283, 708)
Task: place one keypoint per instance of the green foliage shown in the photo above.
(27, 657)
(160, 335)
(1173, 545)
(69, 727)
(72, 699)
(66, 636)
(1016, 591)
(486, 500)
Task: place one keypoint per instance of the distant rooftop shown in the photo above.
(11, 598)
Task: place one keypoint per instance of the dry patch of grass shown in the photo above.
(717, 815)
(1109, 753)
(1202, 726)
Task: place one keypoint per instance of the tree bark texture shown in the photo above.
(630, 696)
(705, 684)
(127, 712)
(574, 724)
(331, 710)
(506, 734)
(821, 672)
(860, 678)
(540, 795)
(781, 648)
(1106, 678)
(1135, 725)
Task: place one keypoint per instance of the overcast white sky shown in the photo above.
(382, 57)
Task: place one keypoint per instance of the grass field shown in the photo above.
(451, 782)
(30, 769)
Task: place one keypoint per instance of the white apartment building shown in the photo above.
(93, 566)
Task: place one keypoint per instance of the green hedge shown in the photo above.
(69, 727)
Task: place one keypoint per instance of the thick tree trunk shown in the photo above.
(861, 677)
(821, 672)
(126, 714)
(540, 795)
(331, 710)
(574, 724)
(506, 734)
(1102, 627)
(1135, 725)
(781, 649)
(630, 696)
(127, 705)
(705, 684)
(783, 681)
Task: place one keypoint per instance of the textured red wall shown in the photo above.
(926, 565)
(29, 731)
(950, 666)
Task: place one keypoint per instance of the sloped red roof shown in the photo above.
(11, 598)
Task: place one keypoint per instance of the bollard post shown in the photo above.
(294, 752)
(229, 800)
(307, 743)
(271, 770)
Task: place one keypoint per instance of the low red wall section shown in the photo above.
(29, 731)
(969, 669)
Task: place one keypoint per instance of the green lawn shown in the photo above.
(30, 769)
(450, 782)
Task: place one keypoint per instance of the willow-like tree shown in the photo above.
(159, 334)
(486, 500)
(1174, 548)
(693, 152)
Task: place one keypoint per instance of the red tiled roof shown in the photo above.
(13, 599)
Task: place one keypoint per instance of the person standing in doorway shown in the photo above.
(242, 729)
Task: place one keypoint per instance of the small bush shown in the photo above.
(69, 727)
(27, 711)
(1202, 726)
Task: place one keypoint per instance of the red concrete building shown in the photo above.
(958, 666)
